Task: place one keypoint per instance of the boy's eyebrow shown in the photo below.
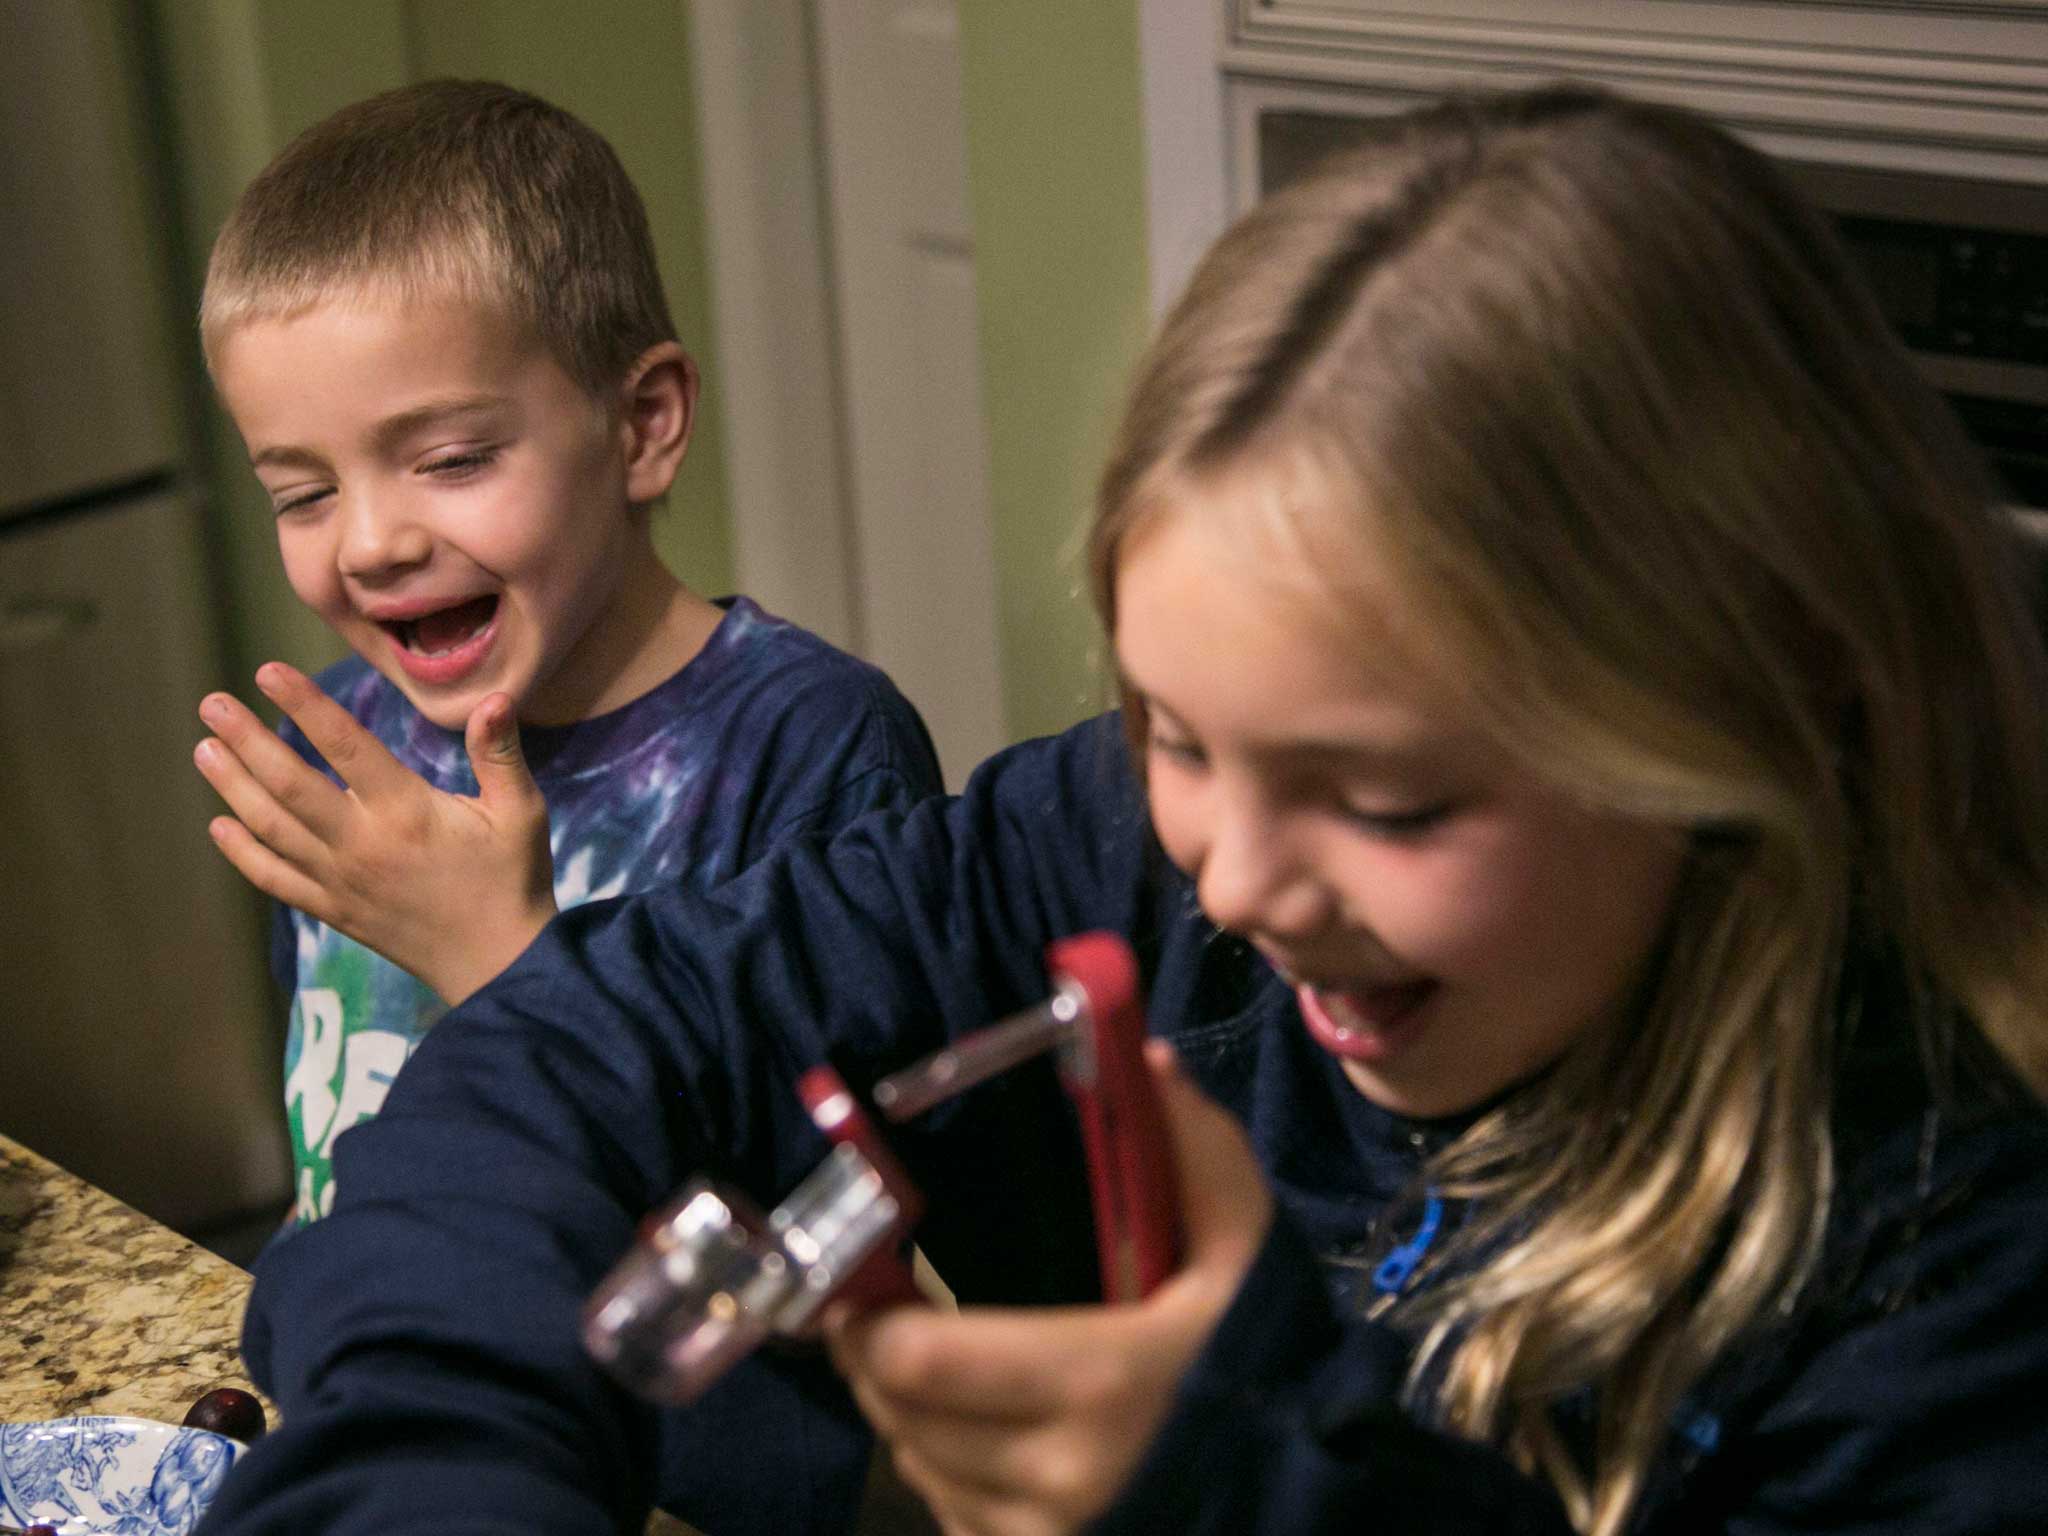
(286, 458)
(394, 429)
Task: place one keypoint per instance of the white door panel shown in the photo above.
(843, 270)
(909, 343)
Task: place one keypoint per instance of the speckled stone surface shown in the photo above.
(103, 1310)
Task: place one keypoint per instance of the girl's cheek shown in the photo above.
(1446, 910)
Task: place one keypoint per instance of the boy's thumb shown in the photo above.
(495, 755)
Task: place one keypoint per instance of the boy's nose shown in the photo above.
(379, 536)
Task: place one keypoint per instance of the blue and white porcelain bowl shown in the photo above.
(103, 1475)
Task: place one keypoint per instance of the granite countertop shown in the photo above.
(103, 1310)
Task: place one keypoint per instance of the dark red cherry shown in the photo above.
(229, 1411)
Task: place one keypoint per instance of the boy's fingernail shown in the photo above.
(269, 676)
(213, 709)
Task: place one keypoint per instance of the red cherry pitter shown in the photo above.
(709, 1277)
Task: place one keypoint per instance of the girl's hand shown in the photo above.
(449, 887)
(1024, 1422)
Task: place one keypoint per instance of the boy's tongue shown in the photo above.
(443, 631)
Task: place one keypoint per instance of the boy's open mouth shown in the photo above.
(438, 633)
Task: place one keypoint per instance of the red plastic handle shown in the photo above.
(1130, 1161)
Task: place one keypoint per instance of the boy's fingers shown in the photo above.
(363, 762)
(495, 755)
(275, 877)
(285, 778)
(260, 816)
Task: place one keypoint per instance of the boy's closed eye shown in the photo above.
(294, 500)
(461, 464)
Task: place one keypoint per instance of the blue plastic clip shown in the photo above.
(1390, 1277)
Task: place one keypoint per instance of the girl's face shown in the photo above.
(1450, 922)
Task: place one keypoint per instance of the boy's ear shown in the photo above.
(659, 407)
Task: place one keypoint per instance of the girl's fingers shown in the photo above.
(969, 1509)
(258, 813)
(973, 1455)
(1225, 1205)
(363, 762)
(1005, 1485)
(997, 1364)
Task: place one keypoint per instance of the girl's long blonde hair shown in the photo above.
(1638, 448)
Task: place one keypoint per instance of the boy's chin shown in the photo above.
(447, 709)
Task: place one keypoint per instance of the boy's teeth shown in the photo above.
(436, 634)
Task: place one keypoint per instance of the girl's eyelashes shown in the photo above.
(1177, 749)
(1401, 823)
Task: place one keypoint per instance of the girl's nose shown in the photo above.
(1255, 880)
(379, 537)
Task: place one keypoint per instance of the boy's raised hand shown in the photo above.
(448, 887)
(1027, 1422)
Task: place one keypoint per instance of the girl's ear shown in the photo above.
(658, 408)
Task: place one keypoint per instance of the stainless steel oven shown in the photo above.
(1960, 267)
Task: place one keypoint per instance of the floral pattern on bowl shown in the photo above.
(106, 1475)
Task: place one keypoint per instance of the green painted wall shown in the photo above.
(1055, 149)
(240, 77)
(1056, 168)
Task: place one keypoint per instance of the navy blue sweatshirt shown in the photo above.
(421, 1342)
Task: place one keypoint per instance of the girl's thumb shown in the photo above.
(1223, 1195)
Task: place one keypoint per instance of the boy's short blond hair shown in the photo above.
(462, 187)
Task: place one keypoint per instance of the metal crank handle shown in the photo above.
(710, 1278)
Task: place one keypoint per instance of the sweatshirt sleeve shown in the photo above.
(421, 1341)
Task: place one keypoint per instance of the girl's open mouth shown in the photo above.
(1369, 1025)
(444, 646)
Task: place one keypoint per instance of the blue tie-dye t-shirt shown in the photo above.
(766, 732)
